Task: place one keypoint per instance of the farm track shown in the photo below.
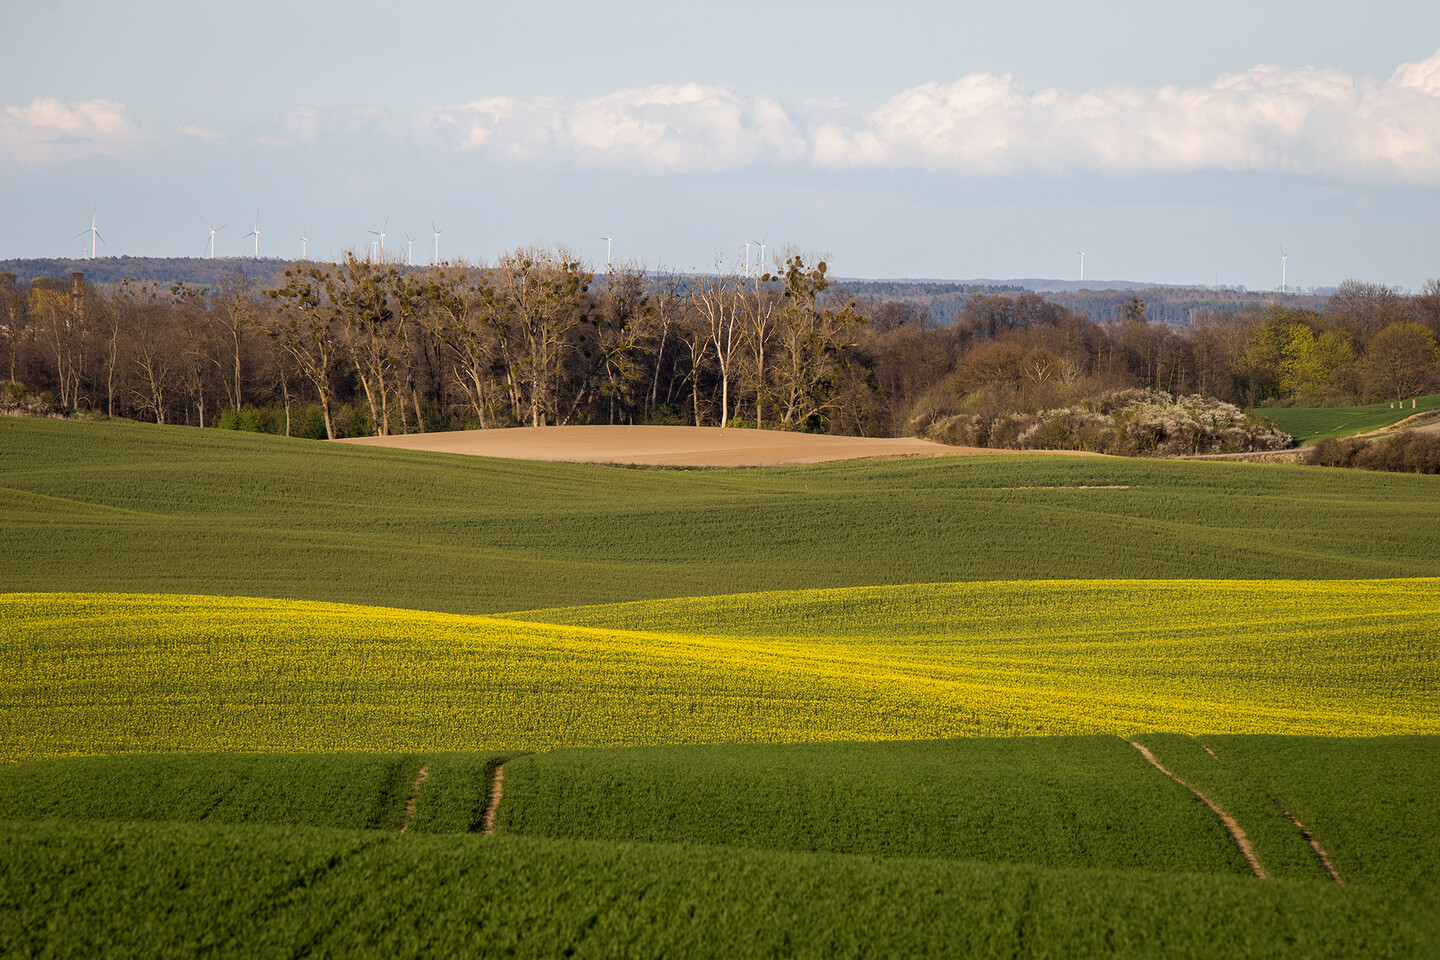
(492, 806)
(1241, 841)
(414, 797)
(1305, 831)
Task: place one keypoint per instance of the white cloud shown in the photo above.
(303, 123)
(666, 129)
(1308, 120)
(50, 131)
(200, 133)
(1268, 119)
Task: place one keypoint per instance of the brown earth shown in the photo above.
(666, 446)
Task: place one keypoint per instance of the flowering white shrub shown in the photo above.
(1127, 422)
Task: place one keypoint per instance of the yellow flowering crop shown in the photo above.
(93, 673)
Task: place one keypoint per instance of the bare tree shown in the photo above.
(302, 326)
(537, 305)
(720, 300)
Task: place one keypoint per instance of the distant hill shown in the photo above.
(1172, 305)
(201, 271)
(944, 299)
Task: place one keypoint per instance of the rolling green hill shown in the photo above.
(128, 507)
(1308, 424)
(982, 848)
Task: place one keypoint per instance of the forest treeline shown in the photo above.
(535, 338)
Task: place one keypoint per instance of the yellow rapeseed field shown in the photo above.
(94, 673)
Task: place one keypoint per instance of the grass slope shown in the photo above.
(87, 674)
(1049, 801)
(352, 791)
(1308, 424)
(150, 890)
(130, 507)
(1374, 804)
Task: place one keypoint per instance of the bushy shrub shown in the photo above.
(17, 400)
(1408, 451)
(1125, 422)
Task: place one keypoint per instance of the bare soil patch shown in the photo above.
(666, 446)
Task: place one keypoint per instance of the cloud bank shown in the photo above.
(1267, 119)
(1313, 121)
(665, 129)
(50, 131)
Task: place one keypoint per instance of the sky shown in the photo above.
(1188, 144)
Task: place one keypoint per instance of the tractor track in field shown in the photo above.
(492, 806)
(1236, 833)
(414, 797)
(1305, 832)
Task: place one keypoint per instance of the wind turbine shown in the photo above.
(761, 265)
(747, 254)
(410, 249)
(255, 233)
(213, 231)
(1082, 266)
(303, 240)
(93, 231)
(607, 240)
(381, 234)
(1283, 258)
(435, 259)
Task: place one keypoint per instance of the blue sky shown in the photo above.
(1176, 144)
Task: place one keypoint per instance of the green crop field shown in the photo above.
(1308, 424)
(258, 695)
(352, 791)
(136, 508)
(982, 845)
(1049, 801)
(147, 889)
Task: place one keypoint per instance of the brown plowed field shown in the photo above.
(664, 446)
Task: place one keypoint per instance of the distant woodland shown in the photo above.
(356, 348)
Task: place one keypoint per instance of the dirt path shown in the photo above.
(1241, 841)
(497, 791)
(414, 797)
(1304, 830)
(671, 446)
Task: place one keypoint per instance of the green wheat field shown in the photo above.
(264, 697)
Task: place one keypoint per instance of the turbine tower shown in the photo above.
(747, 254)
(255, 233)
(93, 231)
(761, 264)
(1082, 266)
(381, 234)
(1283, 258)
(303, 240)
(607, 240)
(213, 231)
(410, 249)
(435, 258)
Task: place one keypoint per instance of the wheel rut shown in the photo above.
(492, 806)
(1236, 833)
(1305, 831)
(414, 797)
